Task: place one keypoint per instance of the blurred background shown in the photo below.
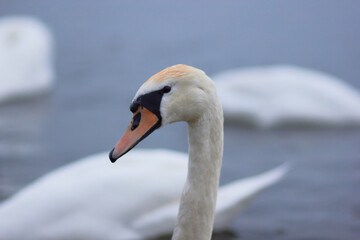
(104, 50)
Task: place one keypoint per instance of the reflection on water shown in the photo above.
(23, 126)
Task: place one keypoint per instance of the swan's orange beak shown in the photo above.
(142, 124)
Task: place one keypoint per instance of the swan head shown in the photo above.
(177, 93)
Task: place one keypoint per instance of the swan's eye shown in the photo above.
(166, 89)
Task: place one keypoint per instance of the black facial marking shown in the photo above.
(136, 121)
(151, 101)
(134, 106)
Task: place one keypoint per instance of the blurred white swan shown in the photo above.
(136, 198)
(280, 95)
(26, 64)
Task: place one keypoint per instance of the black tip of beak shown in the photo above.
(112, 159)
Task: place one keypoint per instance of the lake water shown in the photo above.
(106, 49)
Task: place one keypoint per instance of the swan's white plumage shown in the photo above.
(26, 64)
(286, 95)
(93, 187)
(136, 197)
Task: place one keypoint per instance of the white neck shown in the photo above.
(198, 201)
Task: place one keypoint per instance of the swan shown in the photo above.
(183, 93)
(283, 95)
(26, 64)
(138, 197)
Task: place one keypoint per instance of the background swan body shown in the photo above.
(26, 64)
(286, 95)
(136, 198)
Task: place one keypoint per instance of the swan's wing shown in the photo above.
(93, 188)
(232, 198)
(158, 222)
(82, 225)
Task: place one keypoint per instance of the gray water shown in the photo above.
(106, 49)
